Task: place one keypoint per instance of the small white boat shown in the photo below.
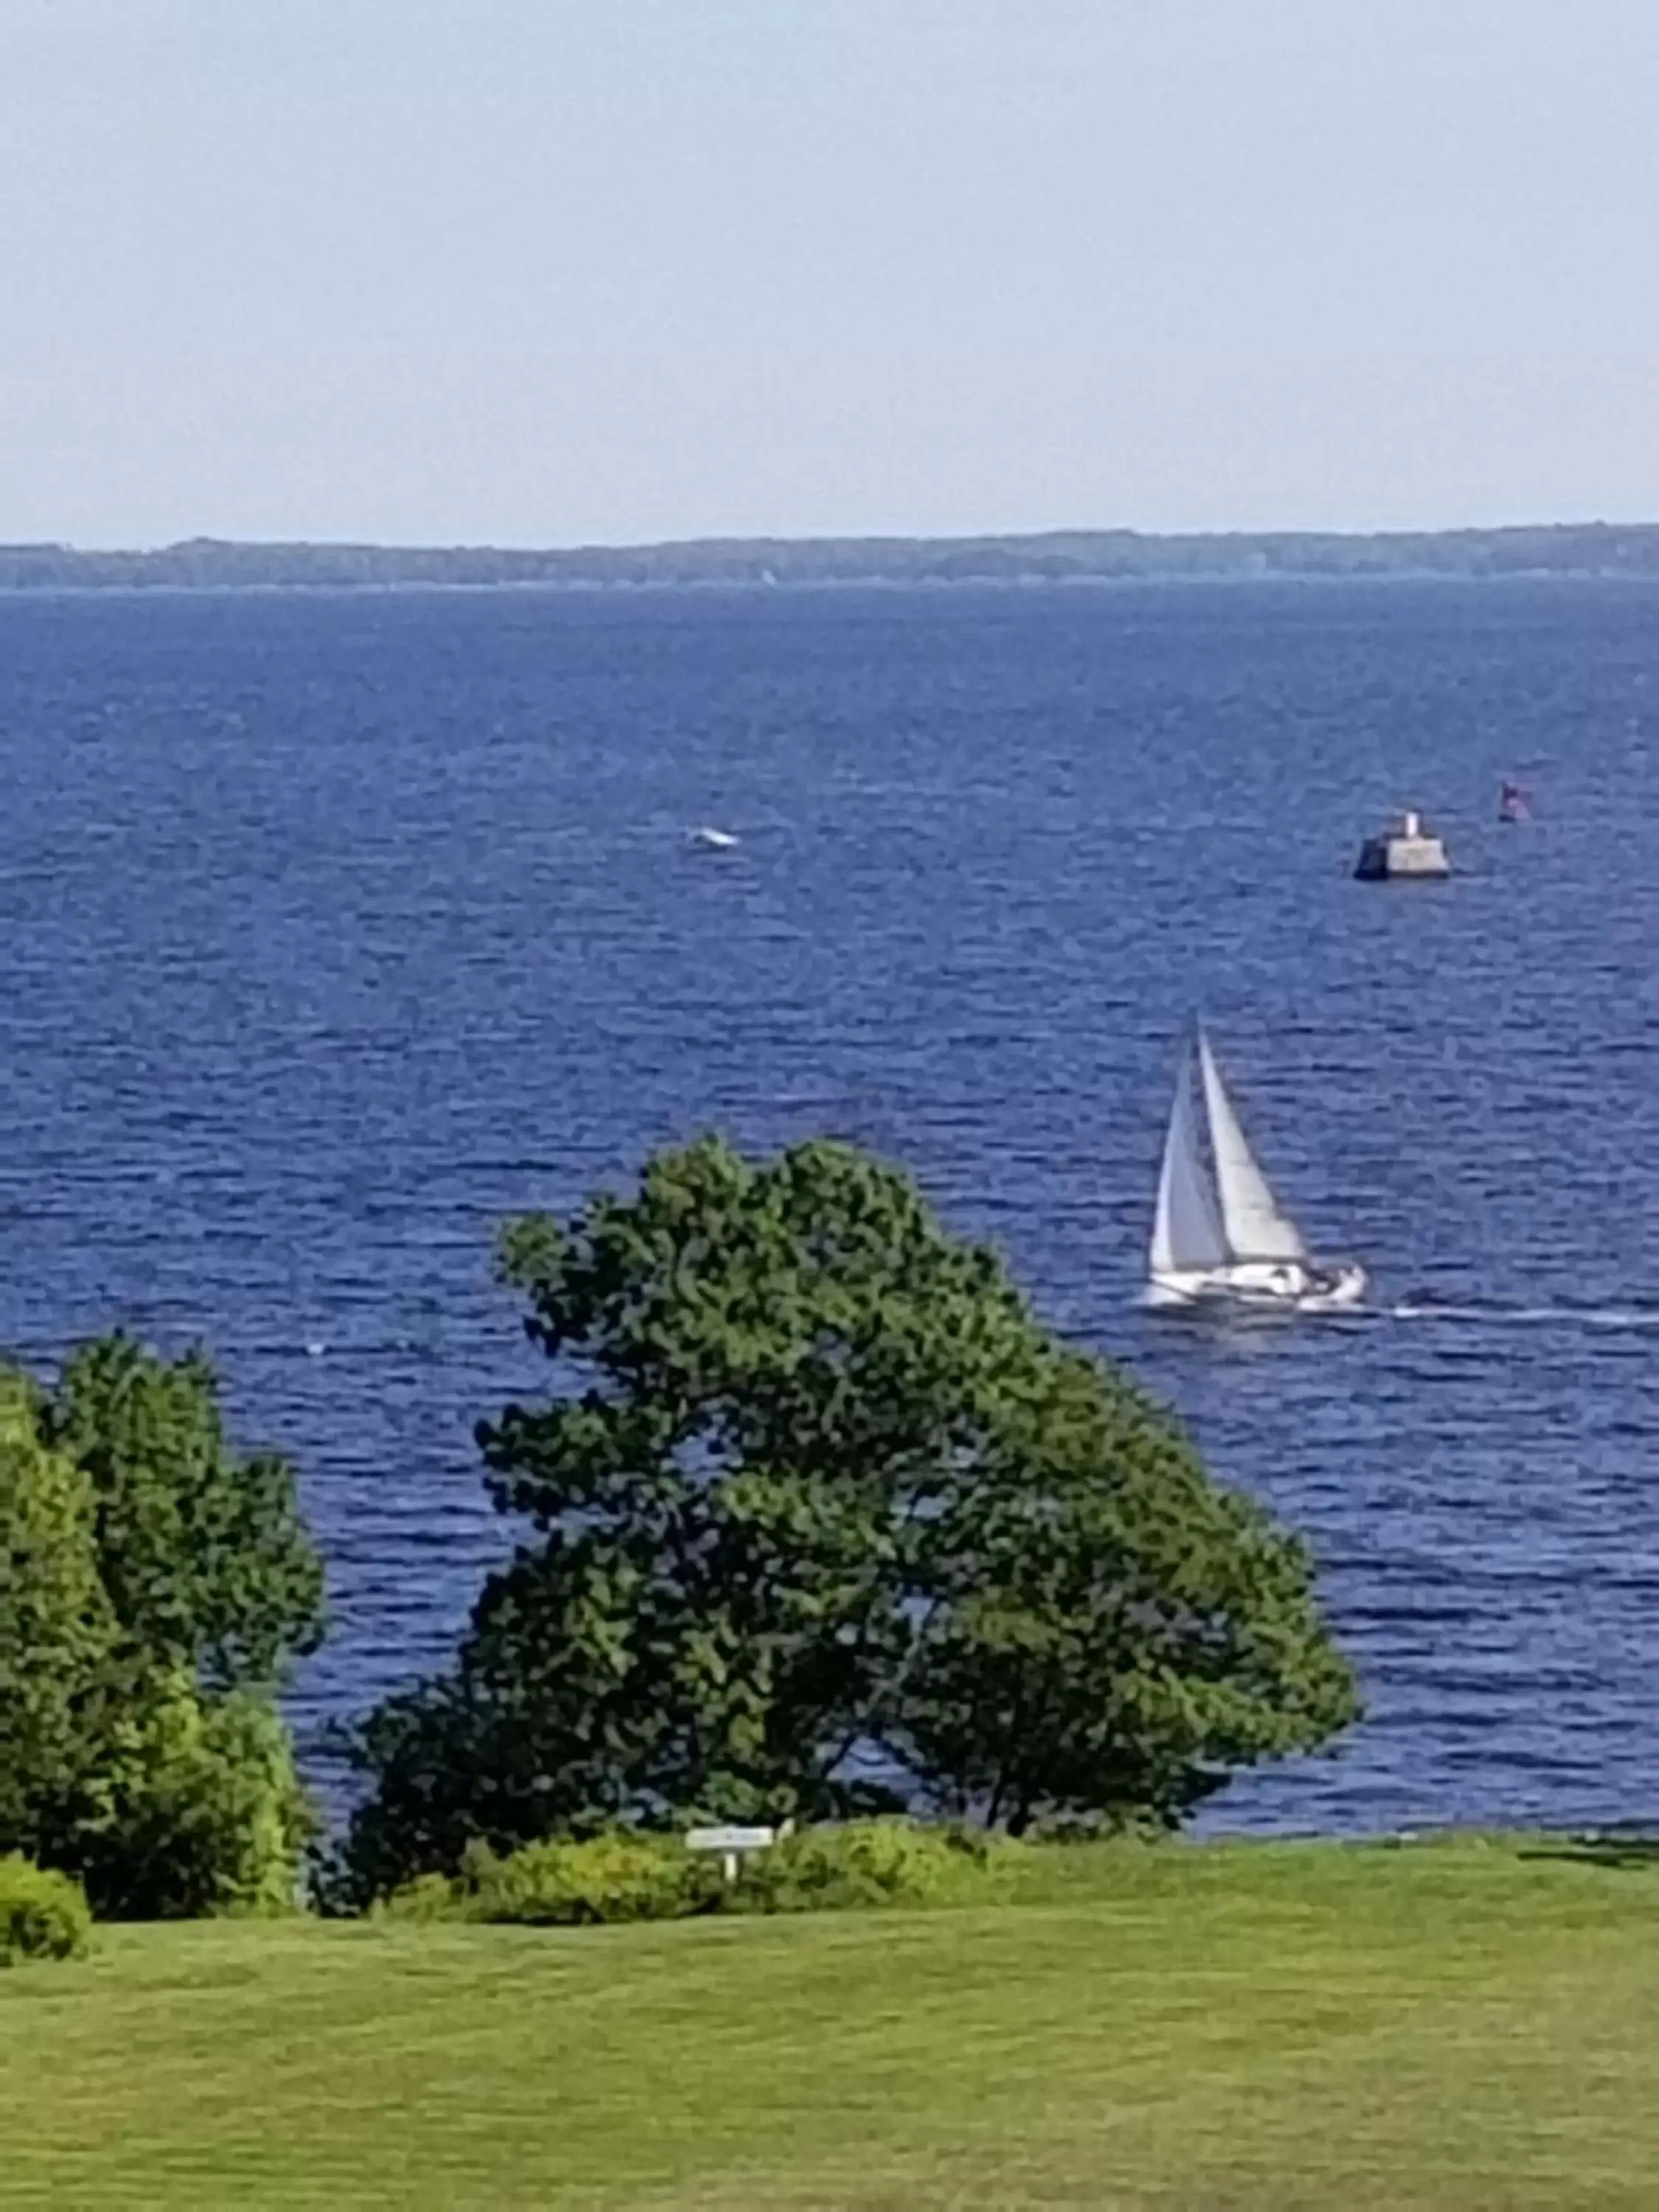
(1223, 1238)
(716, 841)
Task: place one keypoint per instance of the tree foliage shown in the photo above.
(204, 1556)
(193, 1807)
(1596, 548)
(825, 1522)
(153, 1588)
(57, 1625)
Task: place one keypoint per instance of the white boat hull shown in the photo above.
(1266, 1285)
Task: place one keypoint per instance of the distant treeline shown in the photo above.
(1594, 549)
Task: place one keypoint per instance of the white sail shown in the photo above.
(1186, 1233)
(1254, 1223)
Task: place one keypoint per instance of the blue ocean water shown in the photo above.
(334, 927)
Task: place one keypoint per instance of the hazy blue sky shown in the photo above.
(562, 270)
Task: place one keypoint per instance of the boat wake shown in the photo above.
(1497, 1313)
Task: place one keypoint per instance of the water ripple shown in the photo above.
(333, 928)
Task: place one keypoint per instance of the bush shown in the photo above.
(872, 1862)
(556, 1885)
(199, 1811)
(861, 1864)
(429, 1897)
(616, 1877)
(43, 1915)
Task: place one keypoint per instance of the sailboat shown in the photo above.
(1225, 1238)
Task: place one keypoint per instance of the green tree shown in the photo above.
(204, 1556)
(824, 1520)
(152, 1590)
(57, 1627)
(193, 1806)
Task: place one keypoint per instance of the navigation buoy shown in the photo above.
(1406, 850)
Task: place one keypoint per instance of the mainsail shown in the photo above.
(1186, 1234)
(1253, 1223)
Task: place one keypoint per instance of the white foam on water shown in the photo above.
(1614, 1317)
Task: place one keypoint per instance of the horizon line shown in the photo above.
(724, 540)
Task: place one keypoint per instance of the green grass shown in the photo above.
(1470, 2025)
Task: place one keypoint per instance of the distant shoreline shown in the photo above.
(1586, 549)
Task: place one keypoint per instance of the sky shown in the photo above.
(561, 272)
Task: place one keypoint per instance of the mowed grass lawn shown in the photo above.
(1462, 2024)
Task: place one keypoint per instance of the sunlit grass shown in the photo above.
(1224, 2026)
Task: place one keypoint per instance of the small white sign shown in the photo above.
(728, 1842)
(727, 1839)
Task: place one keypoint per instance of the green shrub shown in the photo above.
(429, 1897)
(562, 1884)
(615, 1877)
(860, 1864)
(43, 1915)
(872, 1862)
(199, 1810)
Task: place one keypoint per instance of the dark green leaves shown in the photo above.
(825, 1519)
(204, 1556)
